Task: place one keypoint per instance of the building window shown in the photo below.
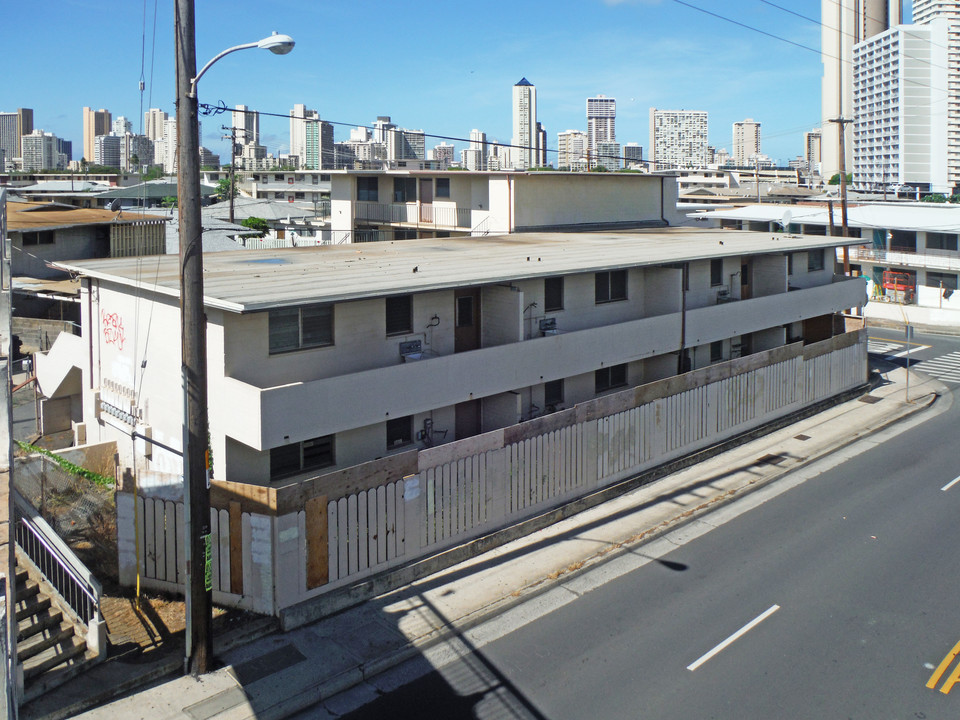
(552, 393)
(399, 432)
(399, 314)
(815, 260)
(789, 263)
(279, 196)
(43, 237)
(278, 177)
(367, 189)
(404, 189)
(552, 294)
(716, 272)
(610, 377)
(300, 327)
(316, 179)
(443, 188)
(301, 457)
(934, 279)
(941, 241)
(905, 240)
(610, 286)
(716, 351)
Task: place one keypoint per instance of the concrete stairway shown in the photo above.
(50, 643)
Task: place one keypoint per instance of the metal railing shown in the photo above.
(928, 258)
(69, 577)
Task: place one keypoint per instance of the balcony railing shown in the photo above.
(441, 216)
(934, 259)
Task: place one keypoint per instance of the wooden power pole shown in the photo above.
(842, 123)
(193, 334)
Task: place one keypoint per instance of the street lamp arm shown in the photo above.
(193, 83)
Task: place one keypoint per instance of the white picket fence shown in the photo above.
(459, 491)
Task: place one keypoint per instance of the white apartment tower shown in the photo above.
(247, 125)
(153, 123)
(678, 138)
(845, 23)
(601, 120)
(746, 142)
(811, 151)
(900, 103)
(524, 151)
(306, 150)
(572, 150)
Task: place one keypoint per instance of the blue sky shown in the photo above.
(441, 67)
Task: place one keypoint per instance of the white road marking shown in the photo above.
(911, 351)
(950, 484)
(733, 638)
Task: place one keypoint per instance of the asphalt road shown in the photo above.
(835, 599)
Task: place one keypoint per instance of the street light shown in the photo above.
(193, 337)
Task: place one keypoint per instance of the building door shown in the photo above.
(466, 333)
(468, 418)
(426, 200)
(745, 280)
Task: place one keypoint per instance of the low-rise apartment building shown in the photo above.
(373, 404)
(919, 241)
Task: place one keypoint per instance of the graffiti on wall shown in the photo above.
(112, 329)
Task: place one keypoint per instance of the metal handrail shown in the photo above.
(38, 540)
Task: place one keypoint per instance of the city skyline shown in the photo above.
(662, 54)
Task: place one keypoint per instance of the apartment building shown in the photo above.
(95, 122)
(678, 139)
(917, 240)
(601, 121)
(572, 148)
(746, 142)
(524, 152)
(406, 204)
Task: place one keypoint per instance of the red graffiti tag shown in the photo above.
(112, 329)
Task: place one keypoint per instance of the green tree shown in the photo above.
(154, 173)
(223, 189)
(169, 201)
(835, 180)
(934, 198)
(255, 223)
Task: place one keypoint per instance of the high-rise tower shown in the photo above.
(95, 122)
(524, 151)
(601, 120)
(845, 23)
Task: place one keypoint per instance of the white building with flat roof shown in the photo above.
(678, 139)
(601, 120)
(746, 142)
(901, 105)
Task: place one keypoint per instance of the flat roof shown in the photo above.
(930, 217)
(251, 280)
(30, 216)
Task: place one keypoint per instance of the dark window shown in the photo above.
(610, 286)
(903, 240)
(716, 351)
(325, 178)
(300, 457)
(279, 196)
(789, 263)
(301, 327)
(404, 189)
(716, 272)
(941, 241)
(399, 314)
(552, 294)
(815, 260)
(367, 189)
(399, 432)
(278, 177)
(553, 393)
(465, 311)
(610, 377)
(934, 279)
(443, 188)
(44, 237)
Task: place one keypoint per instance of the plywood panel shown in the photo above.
(317, 542)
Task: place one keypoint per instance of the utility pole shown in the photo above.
(842, 122)
(233, 163)
(193, 333)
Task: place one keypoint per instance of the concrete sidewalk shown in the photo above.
(280, 674)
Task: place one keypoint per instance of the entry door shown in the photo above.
(745, 271)
(467, 421)
(466, 333)
(426, 200)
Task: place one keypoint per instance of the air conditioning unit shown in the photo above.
(411, 350)
(548, 326)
